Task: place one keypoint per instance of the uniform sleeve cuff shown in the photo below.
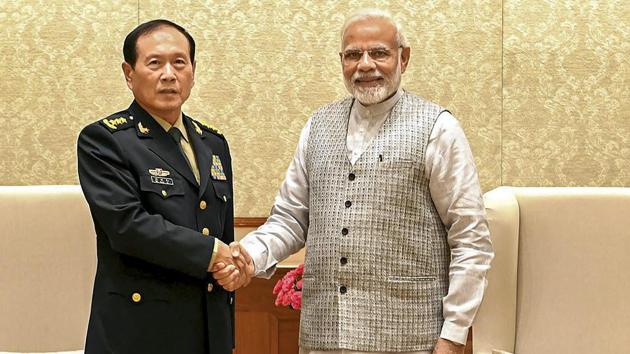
(215, 248)
(454, 333)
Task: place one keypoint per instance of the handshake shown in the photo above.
(233, 268)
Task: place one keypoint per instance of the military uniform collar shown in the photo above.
(148, 126)
(157, 140)
(179, 124)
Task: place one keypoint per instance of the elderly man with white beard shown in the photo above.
(384, 185)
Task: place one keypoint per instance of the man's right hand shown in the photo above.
(234, 270)
(223, 258)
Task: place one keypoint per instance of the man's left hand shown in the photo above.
(445, 346)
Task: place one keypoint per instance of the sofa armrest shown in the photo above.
(495, 324)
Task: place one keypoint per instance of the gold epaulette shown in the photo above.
(114, 124)
(210, 128)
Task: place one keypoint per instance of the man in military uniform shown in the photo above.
(159, 187)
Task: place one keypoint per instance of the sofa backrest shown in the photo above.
(573, 282)
(47, 267)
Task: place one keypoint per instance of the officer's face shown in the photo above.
(375, 75)
(163, 75)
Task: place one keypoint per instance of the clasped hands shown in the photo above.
(233, 268)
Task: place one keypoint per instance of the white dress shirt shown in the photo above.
(455, 190)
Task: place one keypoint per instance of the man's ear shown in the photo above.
(194, 65)
(128, 71)
(404, 58)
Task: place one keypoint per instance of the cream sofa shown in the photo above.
(560, 280)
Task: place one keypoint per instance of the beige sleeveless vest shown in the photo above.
(376, 266)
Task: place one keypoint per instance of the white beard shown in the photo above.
(370, 95)
(375, 94)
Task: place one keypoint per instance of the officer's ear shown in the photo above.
(194, 66)
(128, 71)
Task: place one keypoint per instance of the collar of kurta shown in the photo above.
(377, 109)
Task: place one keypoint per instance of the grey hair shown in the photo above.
(375, 13)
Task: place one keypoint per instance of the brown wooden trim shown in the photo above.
(248, 222)
(262, 327)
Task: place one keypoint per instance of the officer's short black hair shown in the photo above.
(129, 47)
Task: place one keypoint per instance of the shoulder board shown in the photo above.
(116, 122)
(208, 128)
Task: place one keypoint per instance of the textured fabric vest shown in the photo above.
(376, 266)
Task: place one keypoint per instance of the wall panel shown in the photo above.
(566, 114)
(540, 87)
(60, 70)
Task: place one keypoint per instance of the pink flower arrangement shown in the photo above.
(289, 289)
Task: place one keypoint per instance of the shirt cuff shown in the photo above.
(454, 333)
(265, 274)
(261, 272)
(259, 256)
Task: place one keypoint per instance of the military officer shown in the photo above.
(159, 187)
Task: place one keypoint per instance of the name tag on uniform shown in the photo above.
(158, 176)
(162, 180)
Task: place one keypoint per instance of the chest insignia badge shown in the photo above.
(216, 170)
(159, 176)
(142, 128)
